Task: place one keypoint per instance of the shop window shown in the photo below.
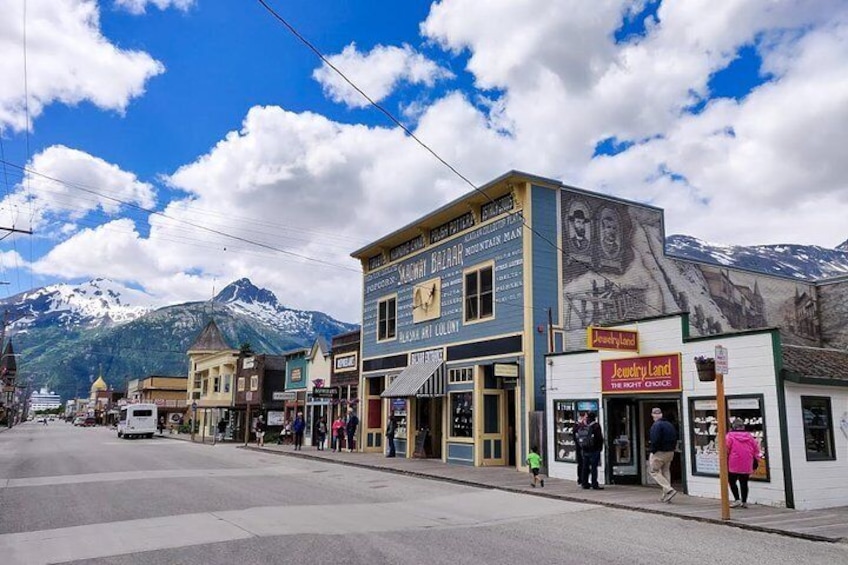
(462, 414)
(463, 375)
(479, 294)
(240, 386)
(398, 408)
(375, 386)
(254, 382)
(387, 319)
(565, 417)
(818, 428)
(703, 426)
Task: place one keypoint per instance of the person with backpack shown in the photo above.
(590, 438)
(321, 432)
(578, 452)
(298, 427)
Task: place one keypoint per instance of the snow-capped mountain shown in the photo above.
(243, 297)
(806, 262)
(97, 303)
(65, 333)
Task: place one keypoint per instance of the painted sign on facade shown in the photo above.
(635, 375)
(614, 340)
(429, 290)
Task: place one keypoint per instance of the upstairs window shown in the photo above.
(387, 319)
(479, 294)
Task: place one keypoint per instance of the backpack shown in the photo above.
(585, 438)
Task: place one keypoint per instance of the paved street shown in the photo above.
(81, 495)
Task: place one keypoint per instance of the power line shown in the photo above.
(412, 135)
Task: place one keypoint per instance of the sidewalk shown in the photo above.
(829, 525)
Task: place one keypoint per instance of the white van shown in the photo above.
(138, 420)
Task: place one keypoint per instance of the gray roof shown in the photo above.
(210, 339)
(815, 365)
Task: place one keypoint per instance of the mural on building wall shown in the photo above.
(615, 268)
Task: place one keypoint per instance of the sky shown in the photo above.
(175, 146)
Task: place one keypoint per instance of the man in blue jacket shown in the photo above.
(663, 437)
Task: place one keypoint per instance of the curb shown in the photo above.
(569, 498)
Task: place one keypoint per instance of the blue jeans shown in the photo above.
(591, 459)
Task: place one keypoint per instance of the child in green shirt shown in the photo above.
(535, 462)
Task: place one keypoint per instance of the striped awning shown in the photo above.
(424, 380)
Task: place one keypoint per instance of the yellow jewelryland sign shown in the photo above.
(615, 340)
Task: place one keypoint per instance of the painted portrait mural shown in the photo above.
(615, 268)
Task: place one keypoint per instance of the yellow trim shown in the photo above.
(526, 384)
(479, 267)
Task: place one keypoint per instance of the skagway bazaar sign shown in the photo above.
(616, 340)
(634, 375)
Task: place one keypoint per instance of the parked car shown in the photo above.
(79, 421)
(90, 421)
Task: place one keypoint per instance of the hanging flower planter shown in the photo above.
(706, 369)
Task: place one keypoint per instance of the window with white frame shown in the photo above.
(387, 319)
(463, 375)
(254, 382)
(227, 381)
(240, 385)
(479, 294)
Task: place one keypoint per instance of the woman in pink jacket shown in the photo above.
(742, 450)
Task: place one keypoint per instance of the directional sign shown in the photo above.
(721, 360)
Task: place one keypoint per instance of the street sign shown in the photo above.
(283, 395)
(721, 360)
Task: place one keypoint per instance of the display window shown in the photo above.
(462, 414)
(818, 428)
(399, 409)
(703, 427)
(566, 413)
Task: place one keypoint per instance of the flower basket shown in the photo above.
(706, 369)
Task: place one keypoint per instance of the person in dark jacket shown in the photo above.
(298, 426)
(391, 428)
(578, 451)
(321, 432)
(663, 438)
(350, 427)
(592, 453)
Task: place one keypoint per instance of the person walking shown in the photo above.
(663, 439)
(534, 460)
(578, 451)
(321, 432)
(742, 454)
(222, 428)
(391, 428)
(350, 427)
(260, 432)
(160, 426)
(338, 433)
(298, 426)
(590, 438)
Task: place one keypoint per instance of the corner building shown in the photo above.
(461, 307)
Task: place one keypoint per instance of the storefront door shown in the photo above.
(671, 412)
(623, 441)
(428, 438)
(492, 439)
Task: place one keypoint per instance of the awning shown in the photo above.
(424, 380)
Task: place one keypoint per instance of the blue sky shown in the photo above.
(215, 115)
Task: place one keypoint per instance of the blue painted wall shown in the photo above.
(499, 240)
(545, 281)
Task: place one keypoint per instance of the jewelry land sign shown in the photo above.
(634, 375)
(614, 340)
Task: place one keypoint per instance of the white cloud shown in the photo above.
(68, 61)
(376, 73)
(140, 6)
(89, 183)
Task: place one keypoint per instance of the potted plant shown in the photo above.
(706, 368)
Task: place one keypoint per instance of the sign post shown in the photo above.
(721, 362)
